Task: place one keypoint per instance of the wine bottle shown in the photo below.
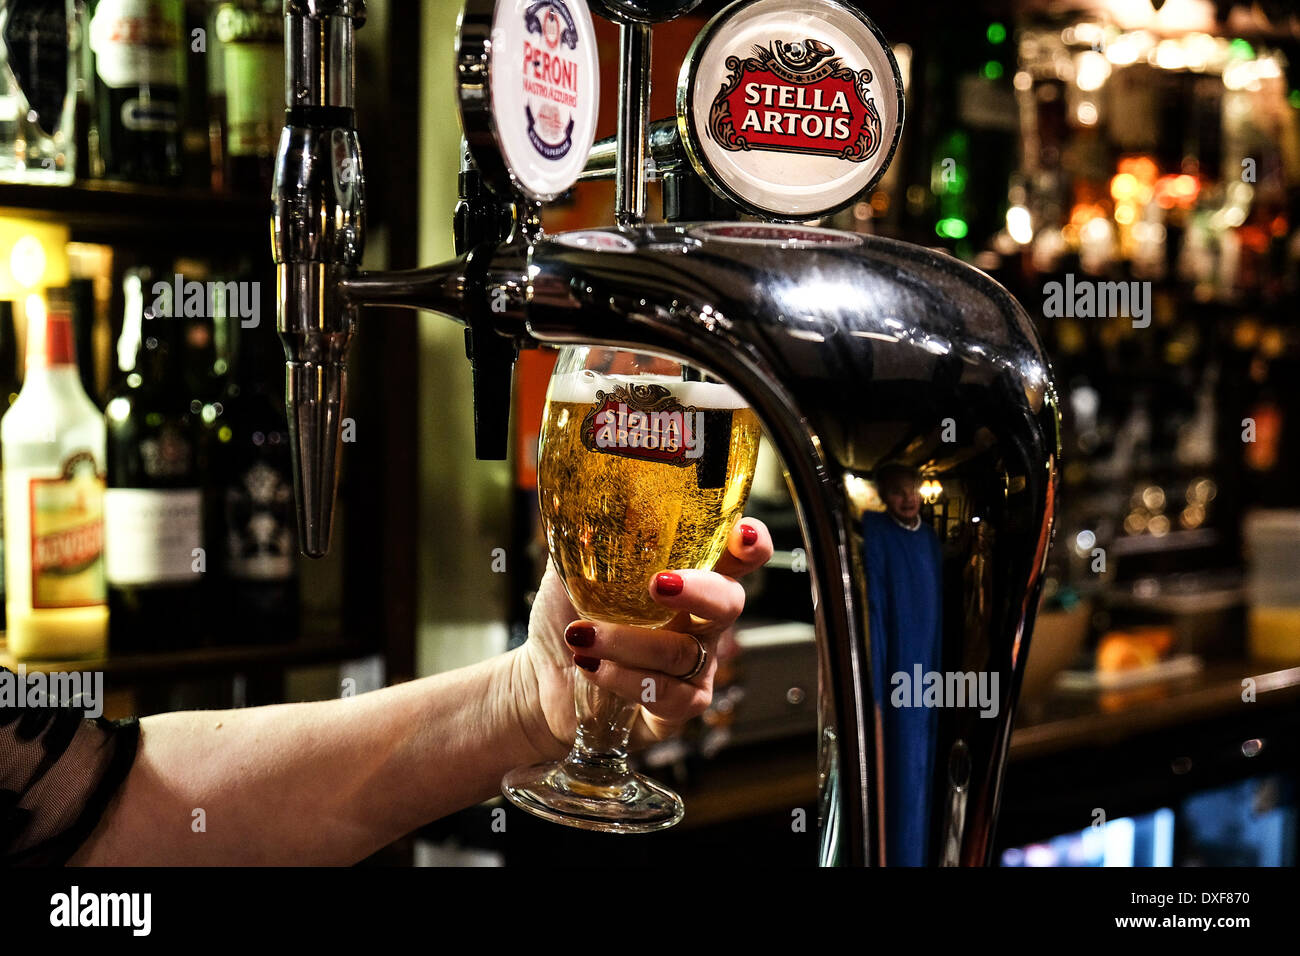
(139, 55)
(252, 507)
(252, 39)
(38, 67)
(154, 550)
(53, 441)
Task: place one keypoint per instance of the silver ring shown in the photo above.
(701, 659)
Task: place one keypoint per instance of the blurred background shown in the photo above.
(1051, 144)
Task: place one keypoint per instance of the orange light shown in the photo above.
(1124, 187)
(1083, 213)
(1177, 190)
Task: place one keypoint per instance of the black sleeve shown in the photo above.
(58, 772)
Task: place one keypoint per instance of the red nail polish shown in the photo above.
(580, 634)
(587, 663)
(748, 535)
(668, 584)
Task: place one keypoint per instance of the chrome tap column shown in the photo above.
(318, 231)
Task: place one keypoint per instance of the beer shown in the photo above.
(639, 474)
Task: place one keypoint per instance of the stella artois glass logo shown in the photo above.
(650, 423)
(797, 98)
(790, 108)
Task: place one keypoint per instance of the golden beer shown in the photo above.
(636, 475)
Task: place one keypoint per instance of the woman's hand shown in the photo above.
(562, 648)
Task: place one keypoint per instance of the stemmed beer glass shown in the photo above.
(643, 466)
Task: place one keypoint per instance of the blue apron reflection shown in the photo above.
(904, 577)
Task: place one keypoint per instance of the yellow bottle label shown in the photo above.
(68, 536)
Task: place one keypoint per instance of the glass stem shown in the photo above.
(604, 726)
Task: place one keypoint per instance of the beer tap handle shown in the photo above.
(483, 221)
(481, 217)
(492, 359)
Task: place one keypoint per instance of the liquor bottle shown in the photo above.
(8, 392)
(154, 557)
(252, 39)
(139, 55)
(968, 133)
(251, 504)
(53, 441)
(39, 47)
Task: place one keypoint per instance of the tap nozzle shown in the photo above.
(315, 390)
(318, 231)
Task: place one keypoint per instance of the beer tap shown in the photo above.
(858, 353)
(318, 232)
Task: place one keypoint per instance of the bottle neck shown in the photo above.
(50, 344)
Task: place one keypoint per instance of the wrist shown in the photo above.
(523, 718)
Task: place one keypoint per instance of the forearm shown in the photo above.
(313, 784)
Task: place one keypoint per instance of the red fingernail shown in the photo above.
(587, 663)
(668, 584)
(580, 634)
(748, 535)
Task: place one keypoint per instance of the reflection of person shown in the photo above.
(331, 782)
(905, 618)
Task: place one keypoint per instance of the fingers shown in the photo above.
(665, 652)
(667, 698)
(748, 548)
(706, 594)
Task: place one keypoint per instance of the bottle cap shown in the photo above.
(49, 339)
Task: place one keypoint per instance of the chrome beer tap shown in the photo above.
(864, 357)
(318, 231)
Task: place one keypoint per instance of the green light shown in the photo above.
(951, 228)
(1294, 99)
(996, 33)
(1240, 49)
(992, 70)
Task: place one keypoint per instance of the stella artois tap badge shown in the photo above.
(790, 108)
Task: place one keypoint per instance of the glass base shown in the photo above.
(590, 796)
